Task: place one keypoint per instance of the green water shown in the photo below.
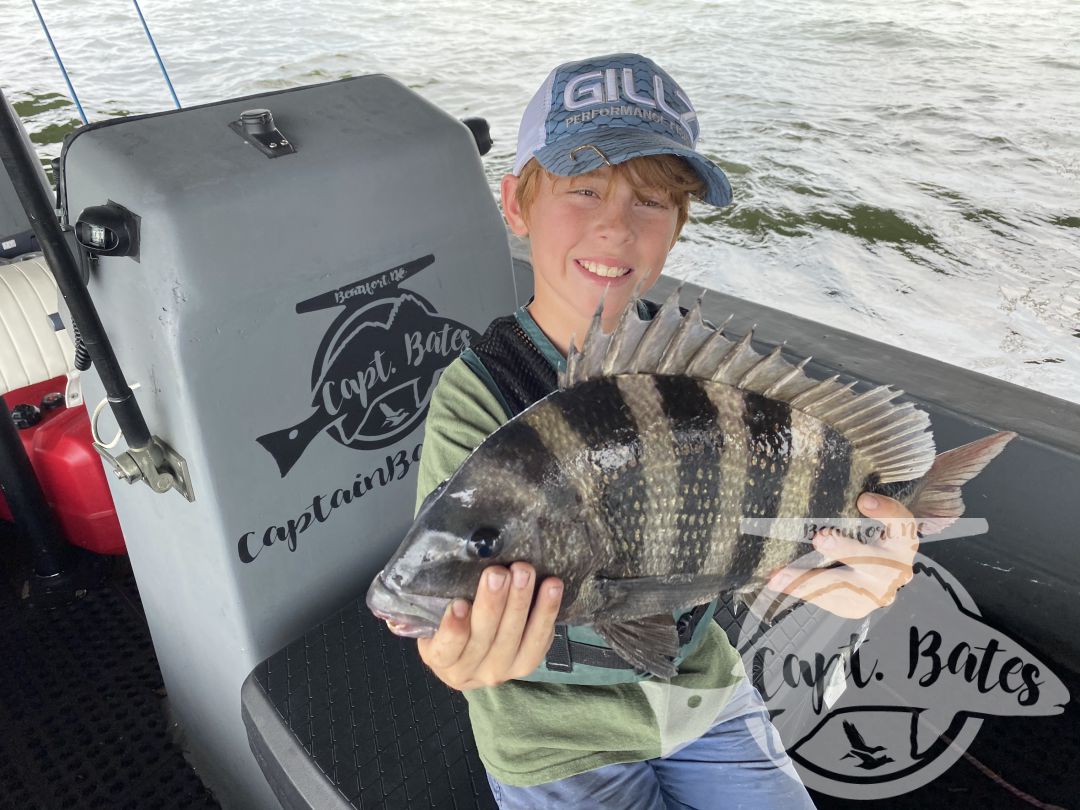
(907, 170)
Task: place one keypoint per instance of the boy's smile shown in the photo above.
(603, 270)
(587, 234)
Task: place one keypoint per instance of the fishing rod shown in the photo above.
(60, 62)
(148, 458)
(161, 63)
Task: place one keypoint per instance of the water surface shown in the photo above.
(908, 170)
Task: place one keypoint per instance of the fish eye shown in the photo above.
(485, 542)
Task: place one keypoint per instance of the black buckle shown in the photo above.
(688, 622)
(558, 655)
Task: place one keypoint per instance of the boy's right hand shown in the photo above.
(499, 638)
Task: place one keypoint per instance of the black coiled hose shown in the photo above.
(82, 356)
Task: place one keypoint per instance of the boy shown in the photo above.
(605, 167)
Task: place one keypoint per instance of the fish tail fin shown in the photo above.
(937, 502)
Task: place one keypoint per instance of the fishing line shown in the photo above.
(1000, 781)
(153, 45)
(60, 62)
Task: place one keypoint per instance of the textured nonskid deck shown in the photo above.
(82, 720)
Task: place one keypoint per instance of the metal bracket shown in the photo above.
(161, 467)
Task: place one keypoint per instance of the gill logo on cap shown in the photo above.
(610, 85)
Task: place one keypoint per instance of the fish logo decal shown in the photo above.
(375, 367)
(874, 709)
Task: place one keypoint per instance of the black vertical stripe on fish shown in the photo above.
(698, 446)
(897, 490)
(518, 446)
(834, 470)
(768, 424)
(871, 482)
(603, 421)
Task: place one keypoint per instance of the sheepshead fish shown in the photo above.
(630, 480)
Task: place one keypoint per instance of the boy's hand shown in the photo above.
(874, 572)
(496, 638)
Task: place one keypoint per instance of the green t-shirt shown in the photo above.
(528, 732)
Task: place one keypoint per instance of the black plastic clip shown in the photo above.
(558, 654)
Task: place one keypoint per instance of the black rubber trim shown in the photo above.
(347, 715)
(294, 777)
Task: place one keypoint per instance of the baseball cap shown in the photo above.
(608, 110)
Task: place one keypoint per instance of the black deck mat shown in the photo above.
(373, 719)
(82, 721)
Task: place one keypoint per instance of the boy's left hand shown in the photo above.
(873, 573)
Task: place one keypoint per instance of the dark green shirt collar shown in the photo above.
(539, 339)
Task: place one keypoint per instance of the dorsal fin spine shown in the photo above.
(700, 357)
(811, 393)
(629, 316)
(677, 348)
(893, 438)
(885, 416)
(863, 405)
(782, 381)
(748, 377)
(728, 359)
(572, 357)
(815, 408)
(655, 333)
(914, 434)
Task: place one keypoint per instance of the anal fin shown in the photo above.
(650, 644)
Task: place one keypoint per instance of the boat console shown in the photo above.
(284, 276)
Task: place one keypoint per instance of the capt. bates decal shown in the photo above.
(375, 368)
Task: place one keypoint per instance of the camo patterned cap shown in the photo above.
(607, 110)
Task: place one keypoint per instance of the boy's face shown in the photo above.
(588, 233)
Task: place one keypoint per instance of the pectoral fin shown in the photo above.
(650, 644)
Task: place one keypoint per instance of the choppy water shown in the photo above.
(908, 170)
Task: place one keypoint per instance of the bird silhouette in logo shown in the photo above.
(393, 418)
(864, 752)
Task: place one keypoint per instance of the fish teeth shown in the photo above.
(603, 270)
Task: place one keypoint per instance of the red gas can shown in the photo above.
(61, 452)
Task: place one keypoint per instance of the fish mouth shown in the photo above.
(405, 626)
(406, 615)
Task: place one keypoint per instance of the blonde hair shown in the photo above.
(668, 172)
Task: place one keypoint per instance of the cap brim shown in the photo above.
(619, 144)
